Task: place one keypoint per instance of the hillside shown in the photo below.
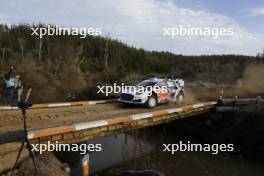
(56, 66)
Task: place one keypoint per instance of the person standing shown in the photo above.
(10, 85)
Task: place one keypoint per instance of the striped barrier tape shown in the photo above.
(101, 123)
(66, 104)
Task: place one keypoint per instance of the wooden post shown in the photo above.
(86, 165)
(258, 100)
(235, 102)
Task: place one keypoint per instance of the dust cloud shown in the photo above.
(190, 96)
(252, 81)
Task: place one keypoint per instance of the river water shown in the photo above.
(143, 150)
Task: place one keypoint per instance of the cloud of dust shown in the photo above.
(190, 96)
(252, 81)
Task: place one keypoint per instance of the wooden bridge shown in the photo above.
(80, 121)
(93, 129)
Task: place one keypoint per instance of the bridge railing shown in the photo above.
(63, 104)
(240, 101)
(93, 129)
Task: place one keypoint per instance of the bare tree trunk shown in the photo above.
(22, 52)
(40, 49)
(48, 51)
(106, 49)
(21, 42)
(3, 56)
(106, 56)
(57, 65)
(78, 57)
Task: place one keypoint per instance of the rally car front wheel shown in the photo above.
(152, 102)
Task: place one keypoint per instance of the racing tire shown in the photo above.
(152, 102)
(180, 98)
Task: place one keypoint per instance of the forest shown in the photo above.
(57, 67)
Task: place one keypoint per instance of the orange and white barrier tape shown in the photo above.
(66, 104)
(113, 121)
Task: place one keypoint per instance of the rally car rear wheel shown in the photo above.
(180, 98)
(152, 102)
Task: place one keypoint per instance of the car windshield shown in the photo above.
(147, 83)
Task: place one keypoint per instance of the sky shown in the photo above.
(141, 23)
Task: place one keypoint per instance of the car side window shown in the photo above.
(171, 84)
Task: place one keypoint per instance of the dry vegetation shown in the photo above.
(56, 66)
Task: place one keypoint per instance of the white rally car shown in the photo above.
(154, 91)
